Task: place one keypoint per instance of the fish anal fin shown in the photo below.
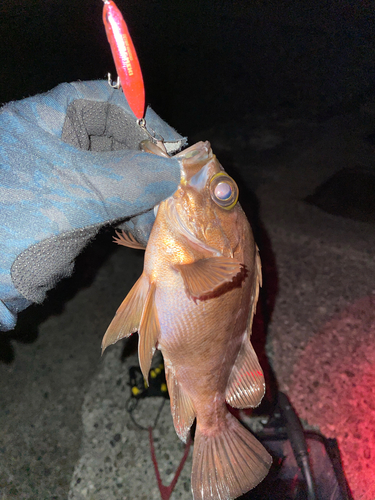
(181, 405)
(127, 240)
(128, 315)
(227, 463)
(149, 330)
(202, 277)
(246, 385)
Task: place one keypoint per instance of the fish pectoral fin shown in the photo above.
(149, 330)
(246, 385)
(127, 240)
(181, 405)
(128, 315)
(204, 276)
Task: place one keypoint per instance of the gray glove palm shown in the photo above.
(69, 164)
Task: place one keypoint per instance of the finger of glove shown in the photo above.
(9, 310)
(48, 111)
(173, 141)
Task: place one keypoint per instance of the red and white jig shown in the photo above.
(125, 58)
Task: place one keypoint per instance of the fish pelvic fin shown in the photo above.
(181, 405)
(149, 330)
(128, 315)
(246, 386)
(227, 463)
(205, 276)
(127, 240)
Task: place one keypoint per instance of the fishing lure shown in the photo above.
(125, 58)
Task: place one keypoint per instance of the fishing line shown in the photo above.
(131, 406)
(156, 388)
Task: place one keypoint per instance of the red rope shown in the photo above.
(166, 491)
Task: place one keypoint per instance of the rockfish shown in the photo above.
(195, 301)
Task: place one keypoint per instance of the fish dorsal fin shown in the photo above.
(181, 405)
(149, 330)
(128, 315)
(204, 276)
(257, 285)
(127, 240)
(246, 385)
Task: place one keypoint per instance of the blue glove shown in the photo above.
(69, 164)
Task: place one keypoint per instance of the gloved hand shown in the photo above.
(69, 164)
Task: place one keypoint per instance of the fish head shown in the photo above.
(206, 201)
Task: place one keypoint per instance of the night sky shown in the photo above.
(203, 62)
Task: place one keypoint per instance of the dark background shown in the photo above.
(204, 62)
(232, 72)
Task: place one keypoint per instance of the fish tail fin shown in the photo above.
(227, 463)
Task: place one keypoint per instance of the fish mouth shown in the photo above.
(193, 159)
(197, 151)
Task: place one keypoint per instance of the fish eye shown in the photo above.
(223, 190)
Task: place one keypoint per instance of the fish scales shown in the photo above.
(195, 302)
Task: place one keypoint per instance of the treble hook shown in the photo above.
(158, 141)
(116, 85)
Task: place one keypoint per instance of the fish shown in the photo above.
(195, 302)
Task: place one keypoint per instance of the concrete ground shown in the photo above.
(65, 431)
